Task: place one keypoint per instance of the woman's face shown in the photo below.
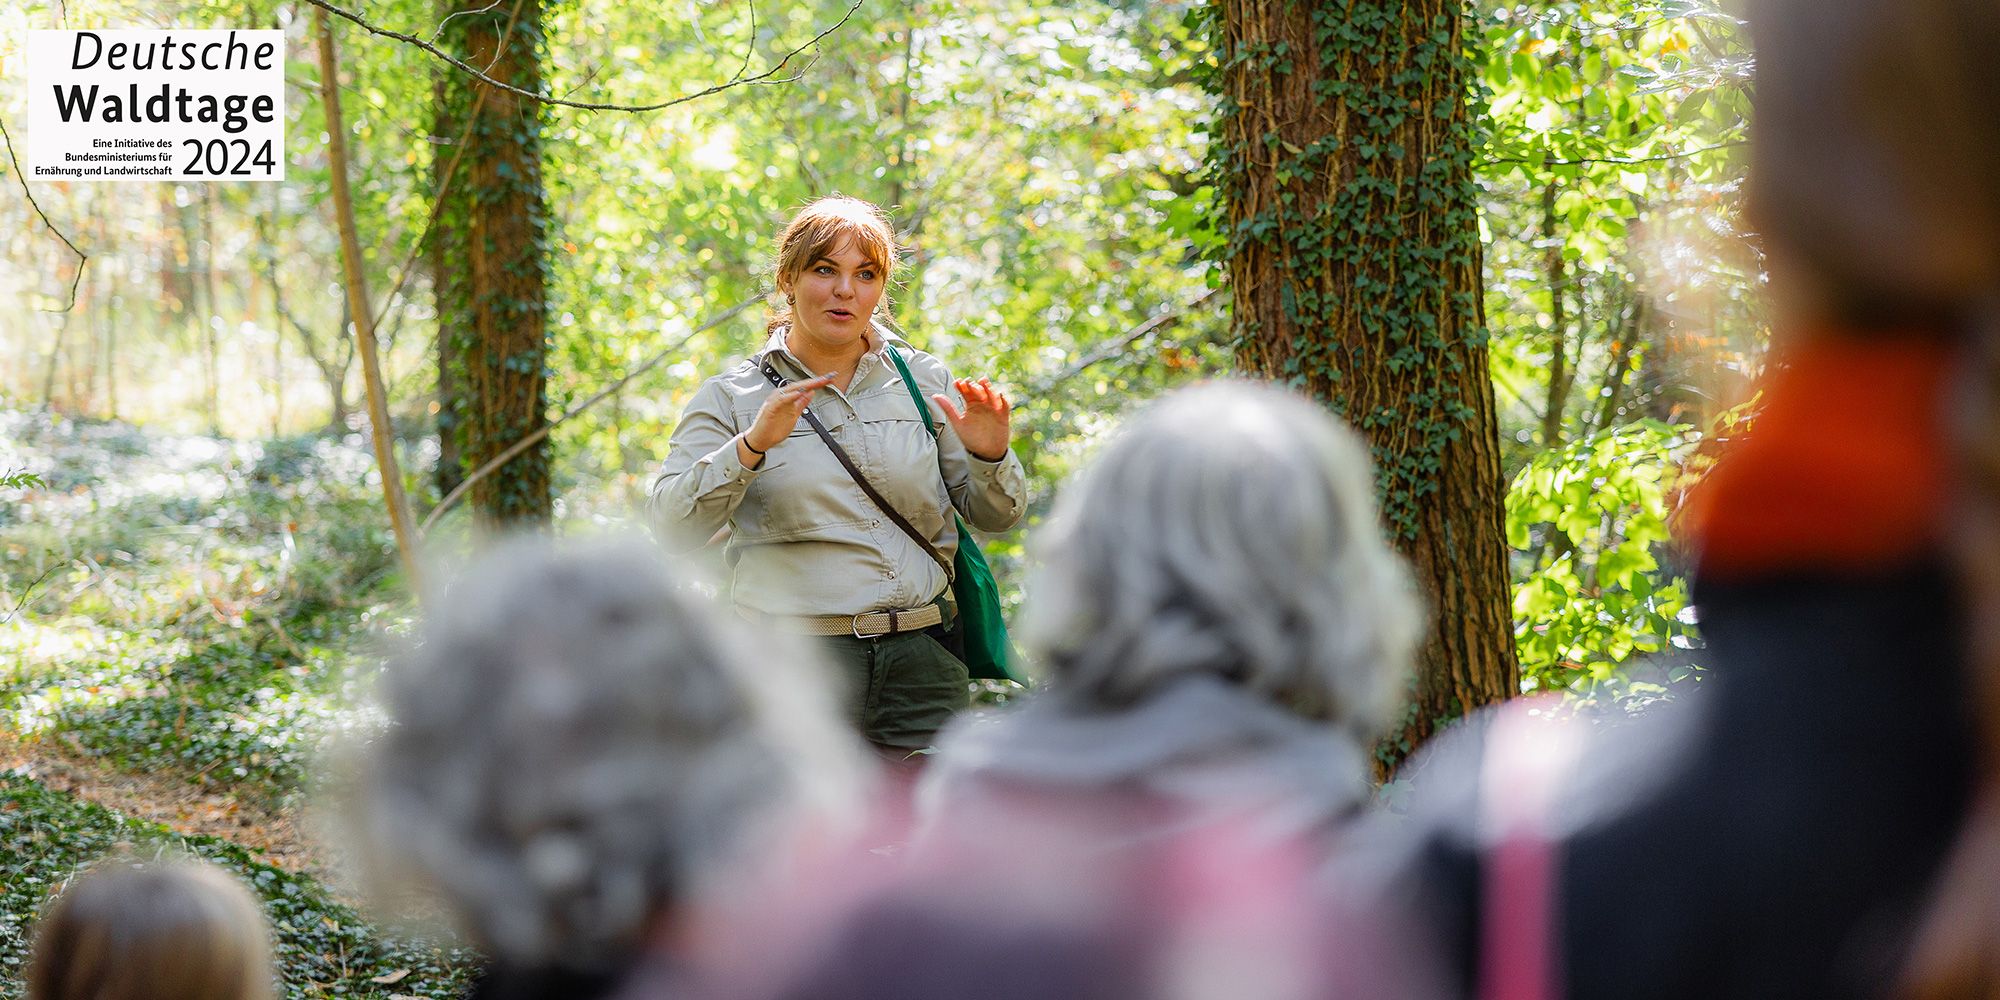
(834, 297)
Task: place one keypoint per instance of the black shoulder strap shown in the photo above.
(771, 373)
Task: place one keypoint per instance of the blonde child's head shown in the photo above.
(154, 930)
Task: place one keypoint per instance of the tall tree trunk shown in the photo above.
(210, 315)
(176, 289)
(83, 377)
(1560, 376)
(1631, 326)
(111, 348)
(254, 279)
(381, 431)
(444, 253)
(505, 259)
(277, 373)
(1344, 155)
(54, 360)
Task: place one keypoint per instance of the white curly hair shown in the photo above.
(579, 741)
(1228, 530)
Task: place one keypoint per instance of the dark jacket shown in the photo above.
(512, 982)
(1770, 836)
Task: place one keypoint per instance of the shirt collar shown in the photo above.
(876, 336)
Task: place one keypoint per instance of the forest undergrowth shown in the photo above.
(185, 622)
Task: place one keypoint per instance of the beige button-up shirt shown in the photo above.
(804, 539)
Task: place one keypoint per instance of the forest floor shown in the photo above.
(272, 836)
(186, 624)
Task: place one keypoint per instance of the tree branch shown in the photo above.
(439, 33)
(27, 594)
(1731, 144)
(738, 80)
(81, 257)
(381, 431)
(452, 498)
(1119, 345)
(451, 169)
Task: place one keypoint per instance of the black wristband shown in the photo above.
(752, 447)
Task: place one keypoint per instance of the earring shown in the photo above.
(790, 299)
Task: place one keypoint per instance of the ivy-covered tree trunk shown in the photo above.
(1344, 158)
(492, 261)
(444, 256)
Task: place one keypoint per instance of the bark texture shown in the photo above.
(1344, 163)
(491, 264)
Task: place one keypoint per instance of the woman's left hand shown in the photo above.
(983, 427)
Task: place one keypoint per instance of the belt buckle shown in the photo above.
(854, 626)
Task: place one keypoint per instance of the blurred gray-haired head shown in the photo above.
(579, 741)
(1229, 530)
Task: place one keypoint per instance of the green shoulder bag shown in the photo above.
(980, 631)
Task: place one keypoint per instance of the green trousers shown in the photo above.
(901, 689)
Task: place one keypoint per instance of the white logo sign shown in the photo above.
(156, 105)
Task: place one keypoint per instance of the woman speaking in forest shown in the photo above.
(843, 528)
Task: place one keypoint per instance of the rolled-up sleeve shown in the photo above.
(995, 494)
(703, 480)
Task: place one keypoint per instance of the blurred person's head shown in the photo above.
(580, 745)
(1229, 531)
(1876, 139)
(156, 930)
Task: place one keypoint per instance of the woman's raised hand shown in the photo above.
(983, 426)
(780, 413)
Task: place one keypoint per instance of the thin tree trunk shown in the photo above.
(176, 290)
(82, 378)
(83, 384)
(255, 311)
(357, 304)
(1632, 326)
(55, 357)
(334, 376)
(1559, 370)
(111, 349)
(210, 314)
(444, 253)
(277, 375)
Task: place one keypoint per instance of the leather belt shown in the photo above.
(872, 625)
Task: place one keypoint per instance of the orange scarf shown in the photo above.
(1843, 468)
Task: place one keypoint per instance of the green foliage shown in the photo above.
(324, 948)
(20, 479)
(192, 607)
(1622, 298)
(205, 615)
(1588, 525)
(1615, 147)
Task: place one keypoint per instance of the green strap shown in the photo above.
(910, 383)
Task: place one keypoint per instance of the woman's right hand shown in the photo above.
(779, 415)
